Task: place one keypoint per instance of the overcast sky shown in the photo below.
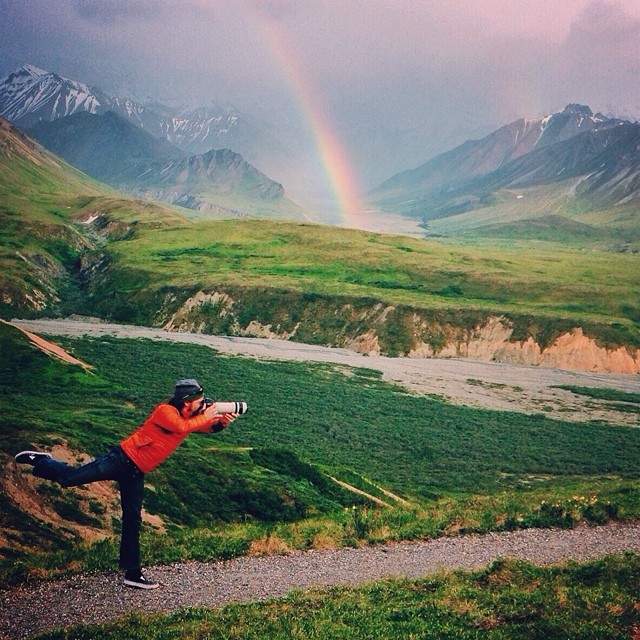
(442, 68)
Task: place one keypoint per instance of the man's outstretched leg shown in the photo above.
(113, 465)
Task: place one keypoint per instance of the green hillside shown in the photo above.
(542, 279)
(70, 245)
(331, 286)
(550, 213)
(43, 202)
(271, 476)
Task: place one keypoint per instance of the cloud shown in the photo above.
(401, 79)
(108, 13)
(600, 58)
(277, 9)
(605, 31)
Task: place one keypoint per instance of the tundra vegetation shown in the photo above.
(455, 468)
(70, 245)
(267, 484)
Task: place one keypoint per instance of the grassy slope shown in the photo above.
(40, 197)
(547, 212)
(540, 279)
(531, 470)
(39, 245)
(461, 469)
(34, 190)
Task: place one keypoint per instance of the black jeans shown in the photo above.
(113, 465)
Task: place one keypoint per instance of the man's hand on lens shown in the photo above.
(227, 418)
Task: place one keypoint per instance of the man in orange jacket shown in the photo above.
(167, 426)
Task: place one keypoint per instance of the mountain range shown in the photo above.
(30, 95)
(117, 152)
(561, 166)
(131, 147)
(568, 175)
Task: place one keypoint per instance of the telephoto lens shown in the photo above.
(232, 407)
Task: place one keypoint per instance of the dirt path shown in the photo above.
(98, 599)
(472, 383)
(52, 349)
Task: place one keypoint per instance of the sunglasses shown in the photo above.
(194, 396)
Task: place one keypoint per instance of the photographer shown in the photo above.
(139, 453)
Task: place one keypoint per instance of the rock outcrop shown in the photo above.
(573, 350)
(377, 329)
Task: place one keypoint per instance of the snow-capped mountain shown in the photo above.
(573, 175)
(602, 164)
(30, 95)
(477, 158)
(35, 100)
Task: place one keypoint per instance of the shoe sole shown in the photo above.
(36, 454)
(138, 585)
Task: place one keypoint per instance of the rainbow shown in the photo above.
(333, 156)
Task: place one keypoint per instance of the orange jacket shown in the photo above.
(161, 433)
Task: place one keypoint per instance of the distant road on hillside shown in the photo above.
(472, 383)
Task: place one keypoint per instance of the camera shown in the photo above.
(236, 406)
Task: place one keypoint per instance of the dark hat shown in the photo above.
(188, 389)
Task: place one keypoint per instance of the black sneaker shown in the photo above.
(30, 457)
(135, 578)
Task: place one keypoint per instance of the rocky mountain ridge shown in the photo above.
(30, 95)
(115, 151)
(596, 157)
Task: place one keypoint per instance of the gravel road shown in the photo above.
(473, 383)
(26, 611)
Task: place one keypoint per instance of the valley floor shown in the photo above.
(86, 599)
(472, 383)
